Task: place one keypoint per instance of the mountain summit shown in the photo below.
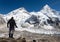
(46, 7)
(49, 11)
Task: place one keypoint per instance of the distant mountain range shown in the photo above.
(45, 21)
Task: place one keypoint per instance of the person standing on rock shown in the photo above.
(11, 24)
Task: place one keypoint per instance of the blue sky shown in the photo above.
(7, 6)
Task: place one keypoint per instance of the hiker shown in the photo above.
(11, 25)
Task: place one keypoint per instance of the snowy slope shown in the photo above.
(20, 15)
(2, 22)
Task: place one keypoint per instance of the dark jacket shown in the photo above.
(11, 24)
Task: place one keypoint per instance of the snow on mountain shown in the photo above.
(21, 12)
(53, 15)
(35, 22)
(49, 11)
(20, 15)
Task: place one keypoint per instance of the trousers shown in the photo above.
(11, 32)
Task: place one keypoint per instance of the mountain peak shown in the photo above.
(19, 10)
(46, 7)
(22, 8)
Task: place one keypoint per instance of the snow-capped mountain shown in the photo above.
(20, 15)
(49, 11)
(48, 17)
(45, 21)
(53, 15)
